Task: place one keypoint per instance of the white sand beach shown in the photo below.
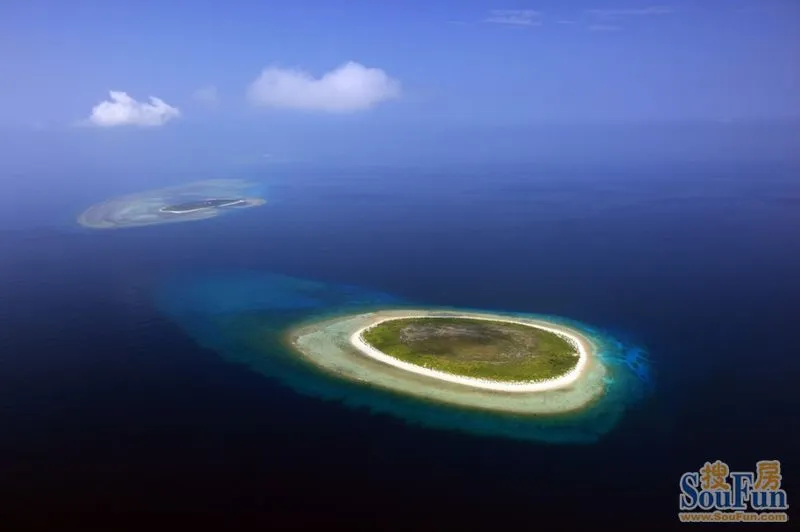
(581, 348)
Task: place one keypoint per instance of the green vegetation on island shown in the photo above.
(475, 348)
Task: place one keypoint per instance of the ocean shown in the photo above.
(111, 409)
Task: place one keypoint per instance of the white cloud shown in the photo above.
(350, 87)
(514, 17)
(121, 110)
(207, 95)
(609, 19)
(631, 12)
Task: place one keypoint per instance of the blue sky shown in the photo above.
(430, 64)
(581, 60)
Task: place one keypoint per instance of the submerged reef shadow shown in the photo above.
(246, 316)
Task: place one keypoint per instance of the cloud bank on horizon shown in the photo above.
(122, 110)
(350, 87)
(632, 12)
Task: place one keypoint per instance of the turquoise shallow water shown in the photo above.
(244, 316)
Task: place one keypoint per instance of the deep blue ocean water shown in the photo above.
(108, 408)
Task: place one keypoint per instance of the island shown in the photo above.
(496, 354)
(494, 373)
(479, 360)
(184, 203)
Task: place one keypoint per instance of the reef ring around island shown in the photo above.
(296, 332)
(334, 346)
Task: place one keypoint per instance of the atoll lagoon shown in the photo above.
(300, 333)
(185, 203)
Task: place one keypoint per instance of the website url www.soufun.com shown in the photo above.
(733, 517)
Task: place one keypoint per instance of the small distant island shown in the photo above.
(184, 203)
(192, 206)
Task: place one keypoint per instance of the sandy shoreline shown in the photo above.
(567, 379)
